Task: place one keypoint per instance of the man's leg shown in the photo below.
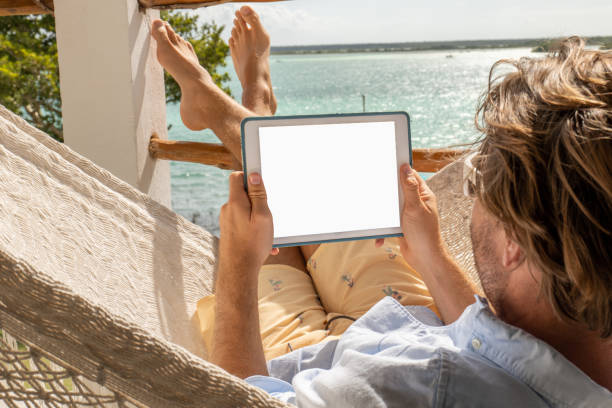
(203, 104)
(250, 49)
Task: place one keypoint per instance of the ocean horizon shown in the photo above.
(412, 46)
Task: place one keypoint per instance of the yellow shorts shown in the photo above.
(345, 280)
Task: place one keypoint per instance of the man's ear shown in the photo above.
(513, 255)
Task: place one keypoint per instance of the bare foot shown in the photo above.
(177, 56)
(250, 49)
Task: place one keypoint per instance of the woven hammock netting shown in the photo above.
(29, 379)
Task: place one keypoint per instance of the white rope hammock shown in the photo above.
(99, 284)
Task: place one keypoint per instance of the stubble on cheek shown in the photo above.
(485, 258)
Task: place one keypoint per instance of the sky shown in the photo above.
(310, 22)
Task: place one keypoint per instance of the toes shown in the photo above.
(237, 26)
(247, 11)
(171, 34)
(159, 32)
(242, 22)
(251, 17)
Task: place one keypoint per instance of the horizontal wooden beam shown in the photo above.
(214, 154)
(184, 4)
(25, 7)
(433, 160)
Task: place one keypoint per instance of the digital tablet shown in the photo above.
(329, 177)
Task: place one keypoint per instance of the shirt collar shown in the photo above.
(526, 357)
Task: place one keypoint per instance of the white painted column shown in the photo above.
(112, 89)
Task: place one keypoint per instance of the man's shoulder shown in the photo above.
(466, 377)
(390, 355)
(438, 364)
(442, 377)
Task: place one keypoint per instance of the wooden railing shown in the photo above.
(212, 154)
(24, 7)
(183, 4)
(215, 154)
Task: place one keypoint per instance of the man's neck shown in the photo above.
(583, 347)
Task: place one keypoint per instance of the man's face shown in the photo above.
(488, 240)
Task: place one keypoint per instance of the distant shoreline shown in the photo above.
(425, 46)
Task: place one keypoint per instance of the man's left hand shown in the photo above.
(246, 225)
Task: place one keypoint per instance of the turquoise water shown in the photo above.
(439, 90)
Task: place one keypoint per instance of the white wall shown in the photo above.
(112, 89)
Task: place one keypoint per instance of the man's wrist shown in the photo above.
(238, 263)
(236, 279)
(235, 305)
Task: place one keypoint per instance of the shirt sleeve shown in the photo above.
(279, 389)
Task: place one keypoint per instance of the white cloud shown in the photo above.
(222, 14)
(286, 23)
(349, 21)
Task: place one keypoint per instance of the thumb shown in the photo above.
(257, 194)
(410, 187)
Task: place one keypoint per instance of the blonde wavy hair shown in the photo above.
(545, 171)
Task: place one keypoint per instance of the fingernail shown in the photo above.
(246, 11)
(255, 178)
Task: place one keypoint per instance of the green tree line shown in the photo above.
(604, 43)
(29, 71)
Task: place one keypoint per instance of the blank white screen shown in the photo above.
(330, 178)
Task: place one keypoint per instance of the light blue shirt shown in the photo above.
(396, 356)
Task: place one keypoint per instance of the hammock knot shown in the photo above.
(101, 377)
(34, 353)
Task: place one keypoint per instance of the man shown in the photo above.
(541, 236)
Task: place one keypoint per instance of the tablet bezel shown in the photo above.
(252, 163)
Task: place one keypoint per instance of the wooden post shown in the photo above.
(112, 89)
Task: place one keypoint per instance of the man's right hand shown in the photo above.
(422, 241)
(424, 249)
